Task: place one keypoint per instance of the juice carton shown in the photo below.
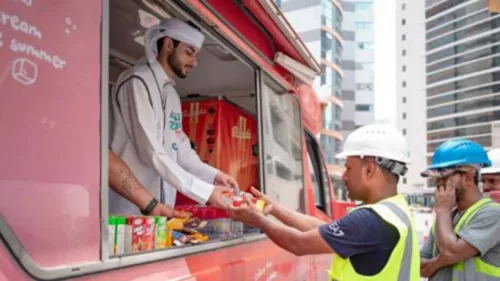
(111, 235)
(161, 232)
(149, 234)
(120, 235)
(134, 234)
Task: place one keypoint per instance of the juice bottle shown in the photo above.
(120, 235)
(111, 235)
(161, 232)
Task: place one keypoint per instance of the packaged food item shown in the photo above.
(111, 235)
(180, 238)
(176, 223)
(134, 234)
(161, 232)
(149, 234)
(120, 235)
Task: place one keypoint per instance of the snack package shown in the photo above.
(179, 238)
(134, 234)
(149, 234)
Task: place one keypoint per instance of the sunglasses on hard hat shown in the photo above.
(446, 172)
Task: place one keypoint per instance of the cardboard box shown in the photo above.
(224, 136)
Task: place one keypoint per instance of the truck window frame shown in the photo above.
(11, 243)
(316, 163)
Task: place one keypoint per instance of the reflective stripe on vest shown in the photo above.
(491, 272)
(404, 255)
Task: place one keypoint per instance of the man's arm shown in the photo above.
(291, 218)
(139, 118)
(191, 162)
(295, 219)
(123, 182)
(452, 249)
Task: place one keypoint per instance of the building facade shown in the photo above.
(460, 89)
(357, 64)
(410, 89)
(319, 23)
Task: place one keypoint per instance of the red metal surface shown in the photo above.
(311, 108)
(281, 41)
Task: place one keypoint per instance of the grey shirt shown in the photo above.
(482, 232)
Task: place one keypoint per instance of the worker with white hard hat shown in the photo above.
(147, 125)
(490, 176)
(376, 241)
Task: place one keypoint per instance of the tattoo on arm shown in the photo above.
(127, 180)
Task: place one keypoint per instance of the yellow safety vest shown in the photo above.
(404, 262)
(476, 267)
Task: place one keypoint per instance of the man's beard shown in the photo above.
(175, 64)
(459, 192)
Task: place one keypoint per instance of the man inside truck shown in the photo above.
(147, 130)
(377, 240)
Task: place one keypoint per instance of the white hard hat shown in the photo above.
(494, 156)
(376, 140)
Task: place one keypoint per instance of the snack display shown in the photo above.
(132, 234)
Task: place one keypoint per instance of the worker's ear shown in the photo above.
(168, 45)
(369, 168)
(469, 179)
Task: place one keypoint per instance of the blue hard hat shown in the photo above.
(459, 152)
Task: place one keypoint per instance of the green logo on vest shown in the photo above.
(175, 121)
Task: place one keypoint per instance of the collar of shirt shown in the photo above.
(161, 75)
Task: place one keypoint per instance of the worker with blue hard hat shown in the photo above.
(464, 243)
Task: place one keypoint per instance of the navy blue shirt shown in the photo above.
(364, 237)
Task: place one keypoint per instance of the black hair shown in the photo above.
(159, 43)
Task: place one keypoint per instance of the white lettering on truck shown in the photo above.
(20, 47)
(19, 25)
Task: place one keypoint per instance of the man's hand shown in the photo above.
(217, 197)
(270, 204)
(428, 267)
(445, 197)
(225, 180)
(167, 211)
(246, 213)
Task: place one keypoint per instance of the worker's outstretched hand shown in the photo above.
(167, 211)
(246, 213)
(217, 198)
(270, 204)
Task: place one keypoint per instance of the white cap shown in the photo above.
(376, 140)
(175, 29)
(494, 156)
